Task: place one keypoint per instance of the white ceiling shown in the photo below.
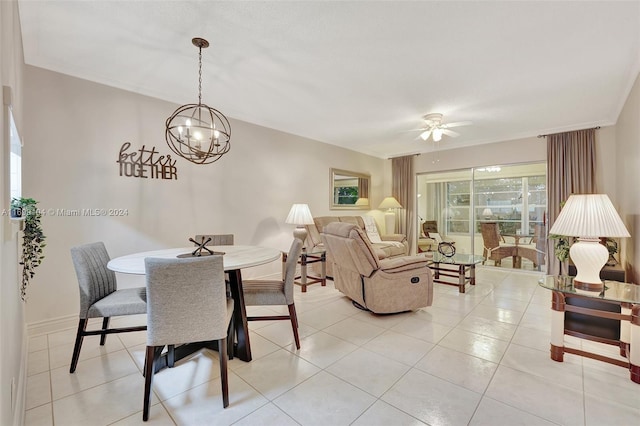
(357, 74)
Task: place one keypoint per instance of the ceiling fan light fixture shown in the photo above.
(437, 134)
(425, 135)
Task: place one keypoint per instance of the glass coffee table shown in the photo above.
(460, 266)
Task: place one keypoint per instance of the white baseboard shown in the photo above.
(51, 325)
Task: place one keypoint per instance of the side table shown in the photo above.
(307, 258)
(611, 316)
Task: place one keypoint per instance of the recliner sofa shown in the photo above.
(391, 245)
(389, 285)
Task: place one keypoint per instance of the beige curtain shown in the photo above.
(403, 189)
(571, 169)
(363, 188)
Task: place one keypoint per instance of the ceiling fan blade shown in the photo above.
(450, 133)
(457, 124)
(425, 135)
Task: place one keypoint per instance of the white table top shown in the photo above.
(235, 257)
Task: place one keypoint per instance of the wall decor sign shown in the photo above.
(146, 163)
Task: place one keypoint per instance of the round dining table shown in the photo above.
(234, 258)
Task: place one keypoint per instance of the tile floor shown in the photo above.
(480, 358)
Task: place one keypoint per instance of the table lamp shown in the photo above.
(589, 217)
(300, 215)
(390, 203)
(362, 202)
(487, 213)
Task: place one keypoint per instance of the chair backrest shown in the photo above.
(216, 239)
(436, 236)
(350, 248)
(186, 300)
(429, 226)
(290, 268)
(94, 278)
(490, 234)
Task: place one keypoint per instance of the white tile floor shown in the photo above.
(480, 358)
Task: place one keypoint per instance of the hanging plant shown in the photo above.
(32, 240)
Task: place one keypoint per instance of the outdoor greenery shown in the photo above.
(32, 240)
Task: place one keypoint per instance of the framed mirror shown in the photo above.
(349, 190)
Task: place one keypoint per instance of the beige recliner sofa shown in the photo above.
(392, 245)
(382, 286)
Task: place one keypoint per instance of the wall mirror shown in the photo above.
(349, 190)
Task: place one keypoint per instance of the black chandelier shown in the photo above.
(197, 132)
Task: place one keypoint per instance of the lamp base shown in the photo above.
(300, 233)
(589, 256)
(389, 223)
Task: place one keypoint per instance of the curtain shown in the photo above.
(403, 189)
(363, 187)
(570, 170)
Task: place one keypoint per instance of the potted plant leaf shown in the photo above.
(33, 240)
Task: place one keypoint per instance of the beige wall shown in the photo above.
(70, 163)
(12, 327)
(627, 175)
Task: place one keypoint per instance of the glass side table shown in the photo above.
(307, 257)
(460, 266)
(610, 316)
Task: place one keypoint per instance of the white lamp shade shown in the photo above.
(390, 203)
(589, 216)
(362, 202)
(487, 212)
(299, 215)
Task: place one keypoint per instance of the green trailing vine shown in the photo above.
(32, 240)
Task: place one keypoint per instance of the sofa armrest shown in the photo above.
(393, 237)
(394, 265)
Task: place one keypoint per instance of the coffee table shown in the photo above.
(460, 266)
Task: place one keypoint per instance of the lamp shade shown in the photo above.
(487, 212)
(299, 215)
(591, 216)
(362, 202)
(390, 203)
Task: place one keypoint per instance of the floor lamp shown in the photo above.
(390, 203)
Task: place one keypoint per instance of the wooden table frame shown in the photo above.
(460, 272)
(593, 307)
(306, 259)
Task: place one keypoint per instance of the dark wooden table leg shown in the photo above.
(461, 279)
(472, 274)
(243, 346)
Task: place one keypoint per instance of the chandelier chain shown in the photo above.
(200, 76)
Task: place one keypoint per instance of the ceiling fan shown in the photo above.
(434, 127)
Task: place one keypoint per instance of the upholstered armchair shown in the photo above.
(382, 286)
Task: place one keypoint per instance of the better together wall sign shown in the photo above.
(145, 163)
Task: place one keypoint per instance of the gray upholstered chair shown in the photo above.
(100, 297)
(276, 292)
(216, 239)
(186, 303)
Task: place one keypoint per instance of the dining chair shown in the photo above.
(100, 296)
(216, 239)
(276, 292)
(186, 303)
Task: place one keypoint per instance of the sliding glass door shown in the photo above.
(510, 199)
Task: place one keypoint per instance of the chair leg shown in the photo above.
(82, 326)
(224, 378)
(294, 324)
(105, 325)
(148, 376)
(231, 330)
